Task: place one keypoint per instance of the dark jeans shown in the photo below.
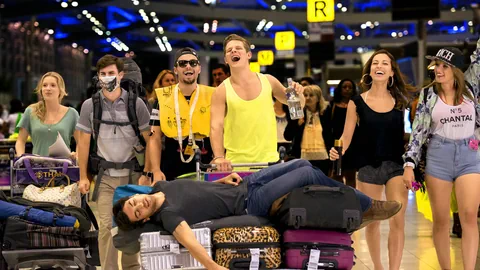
(269, 184)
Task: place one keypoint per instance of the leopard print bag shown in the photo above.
(233, 247)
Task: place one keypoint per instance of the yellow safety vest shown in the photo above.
(200, 116)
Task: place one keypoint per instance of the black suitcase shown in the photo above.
(321, 207)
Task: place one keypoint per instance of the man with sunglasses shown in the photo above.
(183, 117)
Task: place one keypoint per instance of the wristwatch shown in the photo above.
(148, 174)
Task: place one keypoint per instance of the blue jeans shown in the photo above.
(267, 185)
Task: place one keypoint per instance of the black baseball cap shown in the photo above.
(450, 55)
(183, 51)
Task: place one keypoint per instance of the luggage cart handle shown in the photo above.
(11, 153)
(198, 160)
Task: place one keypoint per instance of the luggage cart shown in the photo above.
(252, 167)
(66, 258)
(42, 175)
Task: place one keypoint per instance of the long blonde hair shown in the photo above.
(39, 109)
(459, 85)
(322, 103)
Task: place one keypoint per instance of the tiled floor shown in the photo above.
(419, 252)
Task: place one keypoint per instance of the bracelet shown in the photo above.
(215, 158)
(409, 164)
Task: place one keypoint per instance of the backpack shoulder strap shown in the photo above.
(132, 115)
(97, 113)
(97, 117)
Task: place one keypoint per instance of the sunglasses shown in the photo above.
(183, 63)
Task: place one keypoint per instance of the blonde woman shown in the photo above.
(47, 118)
(449, 115)
(309, 136)
(165, 78)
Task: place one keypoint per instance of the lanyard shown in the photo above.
(179, 126)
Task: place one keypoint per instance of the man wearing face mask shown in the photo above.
(116, 138)
(183, 117)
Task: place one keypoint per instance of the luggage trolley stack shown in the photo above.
(45, 235)
(306, 239)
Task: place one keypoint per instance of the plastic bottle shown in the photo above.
(293, 101)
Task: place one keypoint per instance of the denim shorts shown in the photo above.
(448, 159)
(379, 175)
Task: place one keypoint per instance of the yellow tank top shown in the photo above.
(250, 128)
(200, 117)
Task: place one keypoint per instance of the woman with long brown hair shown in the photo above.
(336, 115)
(379, 113)
(448, 116)
(47, 118)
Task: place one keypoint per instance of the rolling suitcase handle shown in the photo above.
(244, 263)
(318, 188)
(11, 153)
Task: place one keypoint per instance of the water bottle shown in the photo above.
(293, 101)
(338, 163)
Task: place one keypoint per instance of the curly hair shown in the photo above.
(401, 91)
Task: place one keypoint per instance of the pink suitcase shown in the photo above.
(316, 249)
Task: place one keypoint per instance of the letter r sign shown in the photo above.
(320, 10)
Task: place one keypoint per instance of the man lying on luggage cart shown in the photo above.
(176, 204)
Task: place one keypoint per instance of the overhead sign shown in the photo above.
(255, 67)
(321, 32)
(265, 58)
(285, 40)
(320, 10)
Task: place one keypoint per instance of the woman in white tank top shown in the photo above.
(448, 116)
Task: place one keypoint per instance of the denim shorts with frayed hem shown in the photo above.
(379, 175)
(449, 159)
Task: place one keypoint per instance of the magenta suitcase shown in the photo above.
(332, 250)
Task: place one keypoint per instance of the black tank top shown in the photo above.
(380, 135)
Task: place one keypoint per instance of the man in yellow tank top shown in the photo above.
(183, 116)
(243, 125)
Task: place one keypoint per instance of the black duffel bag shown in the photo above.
(23, 234)
(321, 207)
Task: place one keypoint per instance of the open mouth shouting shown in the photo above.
(188, 73)
(235, 58)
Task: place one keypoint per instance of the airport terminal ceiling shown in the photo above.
(113, 26)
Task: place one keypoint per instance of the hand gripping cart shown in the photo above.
(249, 167)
